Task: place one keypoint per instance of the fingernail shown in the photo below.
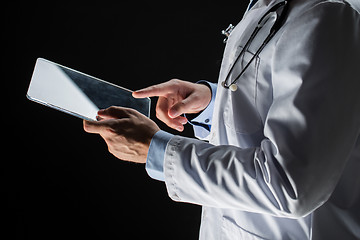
(180, 129)
(183, 121)
(173, 113)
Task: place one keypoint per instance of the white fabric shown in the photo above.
(283, 159)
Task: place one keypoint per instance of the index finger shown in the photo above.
(157, 90)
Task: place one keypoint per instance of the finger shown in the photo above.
(113, 113)
(181, 107)
(182, 120)
(158, 90)
(104, 114)
(94, 127)
(179, 123)
(162, 114)
(162, 108)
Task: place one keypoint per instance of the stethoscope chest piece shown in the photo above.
(233, 87)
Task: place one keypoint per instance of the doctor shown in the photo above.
(282, 159)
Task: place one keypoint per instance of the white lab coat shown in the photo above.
(283, 158)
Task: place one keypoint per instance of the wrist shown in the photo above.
(191, 116)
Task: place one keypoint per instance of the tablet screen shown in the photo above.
(77, 93)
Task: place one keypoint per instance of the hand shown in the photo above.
(127, 132)
(175, 98)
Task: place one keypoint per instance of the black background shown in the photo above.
(60, 182)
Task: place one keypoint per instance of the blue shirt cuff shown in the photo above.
(202, 123)
(155, 158)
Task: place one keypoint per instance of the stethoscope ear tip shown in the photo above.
(227, 32)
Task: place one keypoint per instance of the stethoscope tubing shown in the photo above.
(277, 25)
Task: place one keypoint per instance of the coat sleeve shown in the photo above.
(310, 130)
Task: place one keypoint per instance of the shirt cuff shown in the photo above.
(155, 158)
(202, 122)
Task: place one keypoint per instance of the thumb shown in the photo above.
(93, 126)
(181, 107)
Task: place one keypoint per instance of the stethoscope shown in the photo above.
(280, 9)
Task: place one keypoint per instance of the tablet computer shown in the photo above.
(78, 94)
